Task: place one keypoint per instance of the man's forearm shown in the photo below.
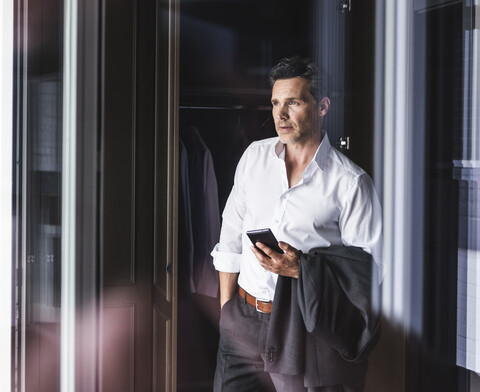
(228, 284)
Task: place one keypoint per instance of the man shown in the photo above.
(310, 196)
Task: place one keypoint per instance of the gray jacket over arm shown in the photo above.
(325, 323)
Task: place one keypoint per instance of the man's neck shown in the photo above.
(298, 157)
(301, 154)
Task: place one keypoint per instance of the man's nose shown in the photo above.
(283, 112)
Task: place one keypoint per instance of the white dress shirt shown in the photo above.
(335, 203)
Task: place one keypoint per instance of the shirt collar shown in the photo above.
(320, 156)
(279, 150)
(322, 151)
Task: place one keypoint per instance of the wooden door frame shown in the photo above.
(165, 280)
(87, 273)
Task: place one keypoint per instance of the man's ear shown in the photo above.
(323, 106)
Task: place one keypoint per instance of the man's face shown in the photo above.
(298, 118)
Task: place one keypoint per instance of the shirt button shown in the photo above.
(276, 221)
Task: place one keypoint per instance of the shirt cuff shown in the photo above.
(226, 261)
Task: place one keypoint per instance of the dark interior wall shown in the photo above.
(360, 82)
(228, 48)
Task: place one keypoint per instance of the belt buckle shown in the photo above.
(256, 306)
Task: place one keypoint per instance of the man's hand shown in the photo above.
(286, 264)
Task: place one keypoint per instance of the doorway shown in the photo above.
(227, 49)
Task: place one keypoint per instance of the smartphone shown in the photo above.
(266, 237)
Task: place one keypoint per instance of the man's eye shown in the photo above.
(293, 103)
(275, 104)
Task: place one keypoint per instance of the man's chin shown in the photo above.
(286, 139)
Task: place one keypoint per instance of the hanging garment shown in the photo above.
(205, 214)
(185, 234)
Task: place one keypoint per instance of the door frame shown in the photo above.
(165, 271)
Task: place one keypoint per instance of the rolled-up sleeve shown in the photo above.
(227, 254)
(361, 219)
(226, 261)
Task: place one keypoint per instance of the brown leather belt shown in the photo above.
(263, 307)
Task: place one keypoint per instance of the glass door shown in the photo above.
(45, 254)
(38, 193)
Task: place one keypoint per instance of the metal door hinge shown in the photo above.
(345, 6)
(343, 143)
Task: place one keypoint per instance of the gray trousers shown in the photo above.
(241, 353)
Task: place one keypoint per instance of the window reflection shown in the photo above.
(39, 152)
(44, 201)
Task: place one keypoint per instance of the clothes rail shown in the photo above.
(227, 107)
